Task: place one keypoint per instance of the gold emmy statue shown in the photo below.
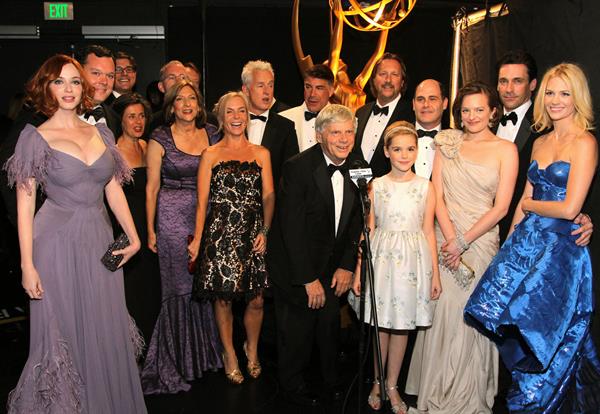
(366, 16)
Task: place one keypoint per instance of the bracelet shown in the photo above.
(264, 230)
(462, 244)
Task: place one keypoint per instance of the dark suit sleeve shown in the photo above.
(292, 216)
(112, 120)
(348, 261)
(290, 142)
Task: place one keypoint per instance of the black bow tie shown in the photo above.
(310, 115)
(379, 110)
(331, 168)
(259, 117)
(97, 113)
(511, 116)
(422, 133)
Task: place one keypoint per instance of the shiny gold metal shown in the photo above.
(379, 17)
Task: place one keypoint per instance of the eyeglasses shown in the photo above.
(126, 69)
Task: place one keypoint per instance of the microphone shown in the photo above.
(360, 174)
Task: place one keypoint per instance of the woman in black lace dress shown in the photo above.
(235, 179)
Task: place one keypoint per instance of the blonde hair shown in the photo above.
(577, 82)
(398, 128)
(219, 109)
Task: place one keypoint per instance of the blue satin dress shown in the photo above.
(535, 301)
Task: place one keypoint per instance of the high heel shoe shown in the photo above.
(400, 407)
(235, 376)
(374, 399)
(254, 368)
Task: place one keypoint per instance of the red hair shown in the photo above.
(38, 87)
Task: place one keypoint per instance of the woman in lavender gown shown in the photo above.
(82, 351)
(185, 340)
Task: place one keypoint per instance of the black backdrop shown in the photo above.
(235, 32)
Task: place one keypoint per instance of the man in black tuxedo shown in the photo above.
(388, 84)
(266, 127)
(312, 251)
(99, 70)
(429, 103)
(517, 80)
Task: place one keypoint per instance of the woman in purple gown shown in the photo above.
(82, 350)
(185, 340)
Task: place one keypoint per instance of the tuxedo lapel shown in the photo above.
(524, 131)
(269, 134)
(363, 117)
(323, 183)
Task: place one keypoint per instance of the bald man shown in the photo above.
(429, 104)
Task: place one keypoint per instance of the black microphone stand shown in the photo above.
(366, 275)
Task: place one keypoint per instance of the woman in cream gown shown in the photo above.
(454, 369)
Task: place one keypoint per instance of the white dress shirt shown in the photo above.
(426, 154)
(374, 129)
(91, 120)
(256, 129)
(337, 183)
(308, 138)
(509, 131)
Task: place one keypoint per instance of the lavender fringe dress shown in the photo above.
(83, 343)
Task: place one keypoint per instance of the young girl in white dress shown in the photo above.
(406, 276)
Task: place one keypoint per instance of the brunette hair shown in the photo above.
(100, 51)
(474, 88)
(519, 57)
(170, 97)
(126, 100)
(398, 128)
(125, 55)
(389, 56)
(577, 82)
(320, 71)
(38, 92)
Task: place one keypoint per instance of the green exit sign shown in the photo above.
(58, 10)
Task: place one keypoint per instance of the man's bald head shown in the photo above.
(429, 103)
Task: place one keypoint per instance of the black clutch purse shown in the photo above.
(110, 261)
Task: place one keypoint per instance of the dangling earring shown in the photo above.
(491, 123)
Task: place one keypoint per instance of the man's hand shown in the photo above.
(316, 294)
(341, 281)
(585, 231)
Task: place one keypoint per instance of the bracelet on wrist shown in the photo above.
(264, 230)
(462, 244)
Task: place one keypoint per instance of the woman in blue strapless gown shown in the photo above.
(535, 299)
